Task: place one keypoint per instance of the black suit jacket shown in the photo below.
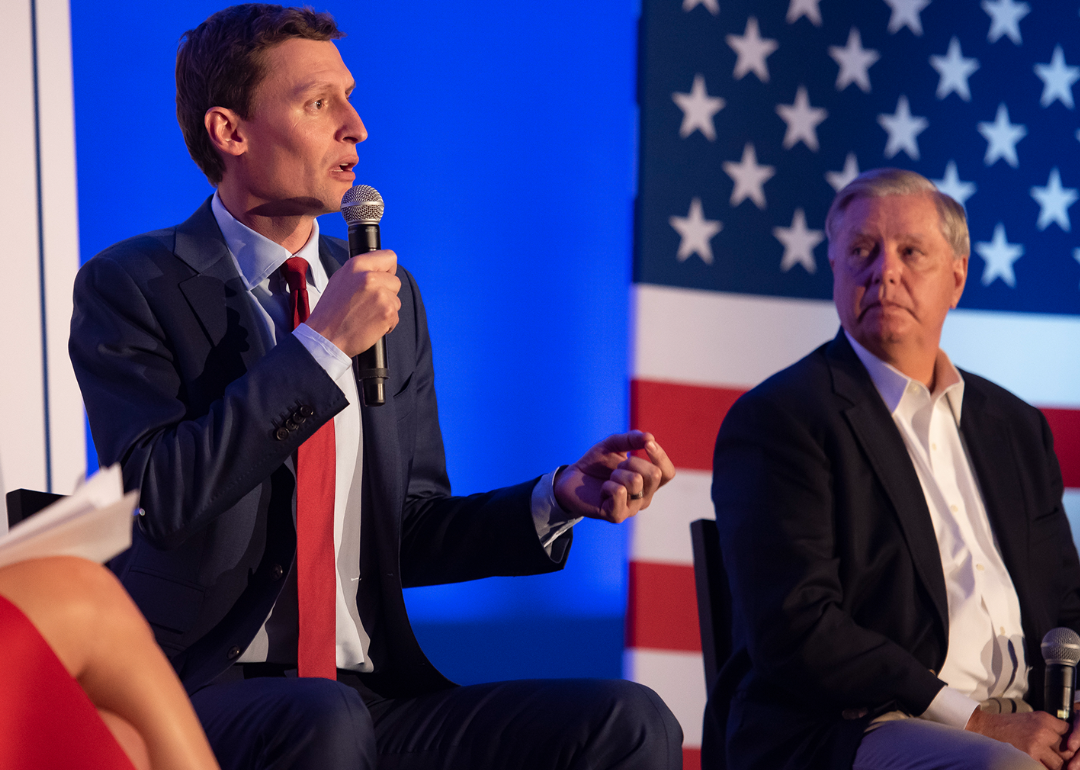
(180, 388)
(839, 598)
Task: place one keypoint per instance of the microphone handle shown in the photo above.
(372, 369)
(1058, 690)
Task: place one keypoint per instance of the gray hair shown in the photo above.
(882, 182)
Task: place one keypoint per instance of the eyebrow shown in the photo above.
(311, 86)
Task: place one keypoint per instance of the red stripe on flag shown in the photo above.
(684, 418)
(691, 759)
(662, 610)
(1065, 424)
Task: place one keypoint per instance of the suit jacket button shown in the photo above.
(292, 423)
(281, 433)
(306, 410)
(276, 572)
(234, 653)
(298, 417)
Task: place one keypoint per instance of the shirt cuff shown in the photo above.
(326, 353)
(950, 707)
(549, 518)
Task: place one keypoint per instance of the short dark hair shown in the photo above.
(220, 64)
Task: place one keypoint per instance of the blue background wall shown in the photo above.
(502, 136)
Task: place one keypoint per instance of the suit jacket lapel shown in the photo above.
(217, 291)
(381, 488)
(876, 432)
(332, 255)
(989, 445)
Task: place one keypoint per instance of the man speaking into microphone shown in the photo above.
(281, 513)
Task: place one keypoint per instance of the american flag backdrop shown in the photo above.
(753, 113)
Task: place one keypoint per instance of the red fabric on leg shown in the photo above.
(46, 720)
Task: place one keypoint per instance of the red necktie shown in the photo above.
(315, 558)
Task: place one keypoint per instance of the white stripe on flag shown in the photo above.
(712, 338)
(662, 532)
(679, 679)
(1071, 501)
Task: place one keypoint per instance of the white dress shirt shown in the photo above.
(986, 640)
(258, 260)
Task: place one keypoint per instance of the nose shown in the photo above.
(353, 129)
(888, 266)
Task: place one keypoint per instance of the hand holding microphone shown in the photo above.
(363, 207)
(360, 303)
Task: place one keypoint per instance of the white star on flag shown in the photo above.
(1001, 138)
(906, 13)
(953, 187)
(802, 120)
(841, 179)
(1058, 79)
(749, 178)
(854, 61)
(999, 256)
(695, 232)
(807, 8)
(799, 243)
(712, 5)
(752, 50)
(903, 129)
(1005, 18)
(954, 70)
(698, 109)
(1054, 201)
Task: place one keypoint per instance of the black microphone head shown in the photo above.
(1061, 647)
(362, 205)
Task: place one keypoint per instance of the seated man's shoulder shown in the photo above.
(155, 253)
(988, 398)
(145, 247)
(804, 385)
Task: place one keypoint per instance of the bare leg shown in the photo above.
(128, 738)
(103, 641)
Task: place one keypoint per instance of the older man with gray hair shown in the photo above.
(892, 528)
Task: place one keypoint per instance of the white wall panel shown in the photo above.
(42, 410)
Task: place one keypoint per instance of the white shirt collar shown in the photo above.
(257, 257)
(892, 384)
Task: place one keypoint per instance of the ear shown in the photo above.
(226, 134)
(960, 268)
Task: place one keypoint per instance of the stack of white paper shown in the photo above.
(94, 522)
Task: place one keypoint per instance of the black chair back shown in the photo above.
(713, 598)
(24, 503)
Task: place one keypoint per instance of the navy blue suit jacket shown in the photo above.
(839, 600)
(179, 389)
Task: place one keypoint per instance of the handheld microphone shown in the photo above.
(1061, 651)
(363, 207)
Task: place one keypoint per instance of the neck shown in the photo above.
(919, 365)
(919, 362)
(277, 220)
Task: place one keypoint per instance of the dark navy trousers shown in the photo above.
(560, 724)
